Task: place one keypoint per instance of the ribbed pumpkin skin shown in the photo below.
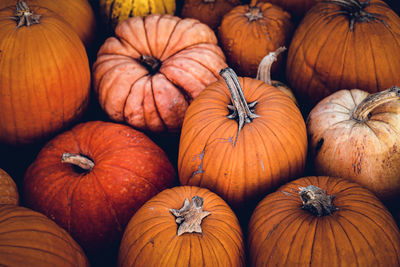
(325, 56)
(95, 206)
(8, 189)
(268, 152)
(128, 92)
(364, 151)
(151, 239)
(297, 8)
(44, 77)
(78, 13)
(115, 11)
(28, 238)
(246, 42)
(362, 232)
(208, 12)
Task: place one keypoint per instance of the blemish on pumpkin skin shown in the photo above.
(319, 145)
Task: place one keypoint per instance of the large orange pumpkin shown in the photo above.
(153, 68)
(92, 179)
(241, 151)
(183, 226)
(344, 44)
(247, 33)
(356, 135)
(28, 238)
(323, 221)
(8, 189)
(78, 13)
(209, 12)
(44, 74)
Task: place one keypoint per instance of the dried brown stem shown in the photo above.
(77, 160)
(316, 201)
(264, 68)
(24, 16)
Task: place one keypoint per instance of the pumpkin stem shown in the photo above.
(190, 216)
(254, 13)
(80, 161)
(242, 112)
(152, 64)
(363, 111)
(354, 9)
(264, 69)
(24, 16)
(316, 201)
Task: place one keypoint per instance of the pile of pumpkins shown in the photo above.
(151, 133)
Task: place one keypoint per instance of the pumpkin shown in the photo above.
(344, 44)
(149, 84)
(8, 189)
(264, 73)
(183, 226)
(247, 33)
(323, 221)
(28, 238)
(356, 135)
(209, 12)
(44, 75)
(115, 11)
(91, 179)
(238, 150)
(297, 8)
(78, 13)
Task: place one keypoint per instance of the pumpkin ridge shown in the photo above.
(162, 59)
(215, 238)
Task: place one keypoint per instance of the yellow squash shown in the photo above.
(114, 11)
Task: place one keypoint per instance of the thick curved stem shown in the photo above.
(190, 216)
(362, 111)
(264, 68)
(242, 112)
(80, 161)
(24, 16)
(316, 201)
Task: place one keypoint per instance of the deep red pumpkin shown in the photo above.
(95, 205)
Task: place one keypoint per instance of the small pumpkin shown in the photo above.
(8, 189)
(184, 225)
(247, 33)
(264, 73)
(91, 179)
(148, 74)
(209, 12)
(297, 8)
(115, 11)
(28, 238)
(241, 138)
(323, 221)
(44, 74)
(355, 134)
(344, 44)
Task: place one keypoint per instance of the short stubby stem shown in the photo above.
(362, 112)
(254, 13)
(152, 64)
(78, 160)
(316, 200)
(190, 216)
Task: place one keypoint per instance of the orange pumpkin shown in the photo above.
(8, 189)
(92, 178)
(297, 8)
(241, 151)
(247, 33)
(44, 74)
(323, 221)
(344, 44)
(151, 71)
(209, 12)
(28, 238)
(183, 226)
(78, 13)
(356, 135)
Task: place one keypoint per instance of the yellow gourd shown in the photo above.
(114, 11)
